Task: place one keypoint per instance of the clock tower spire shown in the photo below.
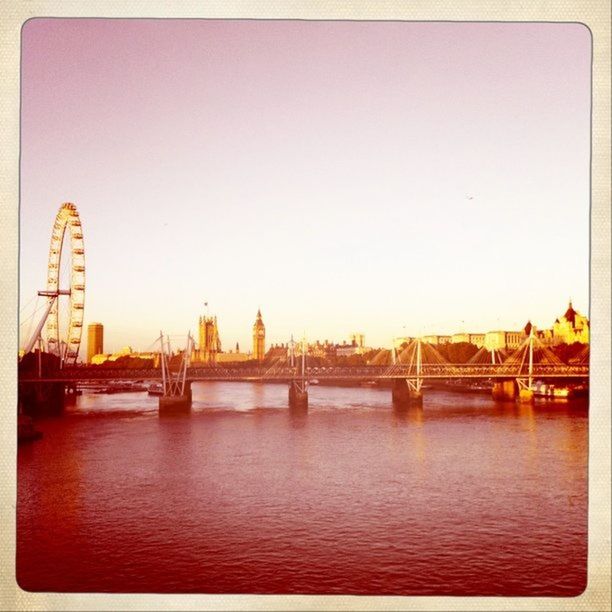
(259, 338)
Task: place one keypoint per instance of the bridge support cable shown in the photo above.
(292, 352)
(407, 373)
(486, 356)
(275, 369)
(417, 382)
(531, 359)
(526, 385)
(298, 387)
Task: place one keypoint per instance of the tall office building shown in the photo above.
(259, 338)
(95, 340)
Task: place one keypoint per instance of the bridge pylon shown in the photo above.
(298, 385)
(408, 391)
(176, 389)
(525, 385)
(522, 361)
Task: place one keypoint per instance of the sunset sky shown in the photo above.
(388, 178)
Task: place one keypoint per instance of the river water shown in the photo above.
(464, 496)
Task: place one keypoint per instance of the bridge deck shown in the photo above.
(363, 373)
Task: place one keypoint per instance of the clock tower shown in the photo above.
(259, 338)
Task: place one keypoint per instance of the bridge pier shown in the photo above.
(525, 395)
(42, 399)
(505, 390)
(405, 394)
(176, 404)
(298, 395)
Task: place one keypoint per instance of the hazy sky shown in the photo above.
(388, 178)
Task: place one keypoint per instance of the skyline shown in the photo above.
(288, 132)
(346, 340)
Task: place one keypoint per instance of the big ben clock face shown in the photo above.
(261, 332)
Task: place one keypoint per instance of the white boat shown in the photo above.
(155, 389)
(550, 391)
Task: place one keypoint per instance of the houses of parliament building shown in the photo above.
(209, 344)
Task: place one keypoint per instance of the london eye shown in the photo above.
(65, 291)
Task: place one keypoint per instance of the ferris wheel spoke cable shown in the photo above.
(23, 308)
(23, 318)
(29, 319)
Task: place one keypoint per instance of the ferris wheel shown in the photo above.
(65, 290)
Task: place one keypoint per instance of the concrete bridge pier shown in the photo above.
(42, 399)
(298, 395)
(405, 394)
(505, 390)
(176, 404)
(525, 391)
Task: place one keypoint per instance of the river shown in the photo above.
(462, 497)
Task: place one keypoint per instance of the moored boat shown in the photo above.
(155, 389)
(551, 391)
(122, 387)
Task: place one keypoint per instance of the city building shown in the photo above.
(126, 351)
(259, 338)
(496, 340)
(434, 339)
(277, 352)
(571, 327)
(209, 345)
(402, 341)
(95, 340)
(356, 346)
(545, 336)
(475, 339)
(233, 357)
(358, 340)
